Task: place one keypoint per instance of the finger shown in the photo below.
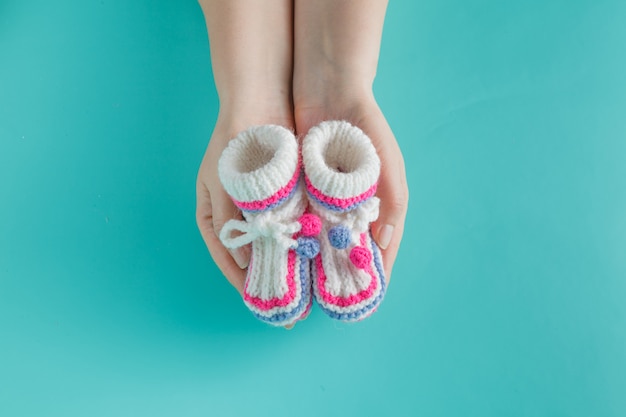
(223, 211)
(389, 227)
(393, 194)
(205, 211)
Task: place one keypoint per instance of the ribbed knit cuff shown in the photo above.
(260, 167)
(341, 165)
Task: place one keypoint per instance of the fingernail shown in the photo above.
(384, 236)
(240, 256)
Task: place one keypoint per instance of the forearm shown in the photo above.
(337, 44)
(251, 50)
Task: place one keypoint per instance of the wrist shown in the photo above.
(256, 96)
(331, 91)
(237, 115)
(332, 97)
(353, 106)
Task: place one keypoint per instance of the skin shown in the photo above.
(251, 52)
(296, 64)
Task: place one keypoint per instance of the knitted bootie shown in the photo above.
(341, 173)
(260, 170)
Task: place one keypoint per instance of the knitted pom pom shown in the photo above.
(308, 247)
(311, 225)
(339, 237)
(360, 257)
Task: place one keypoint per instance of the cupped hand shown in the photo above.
(213, 206)
(364, 112)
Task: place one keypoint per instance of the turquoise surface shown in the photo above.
(509, 293)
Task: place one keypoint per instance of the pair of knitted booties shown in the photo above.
(307, 215)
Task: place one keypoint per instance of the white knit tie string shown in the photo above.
(261, 225)
(358, 219)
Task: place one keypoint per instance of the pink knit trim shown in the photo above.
(351, 299)
(339, 202)
(282, 193)
(262, 304)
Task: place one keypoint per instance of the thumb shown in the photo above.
(389, 227)
(211, 216)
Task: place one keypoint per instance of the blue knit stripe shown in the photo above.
(276, 203)
(359, 314)
(333, 207)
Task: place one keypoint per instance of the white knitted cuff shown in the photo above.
(341, 165)
(259, 168)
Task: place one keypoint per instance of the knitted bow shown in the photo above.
(261, 225)
(358, 220)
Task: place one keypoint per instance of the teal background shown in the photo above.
(508, 297)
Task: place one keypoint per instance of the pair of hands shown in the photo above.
(296, 63)
(214, 207)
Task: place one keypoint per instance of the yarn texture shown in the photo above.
(260, 167)
(308, 247)
(310, 234)
(311, 225)
(260, 171)
(360, 257)
(341, 169)
(339, 237)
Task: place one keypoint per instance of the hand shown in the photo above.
(214, 207)
(362, 110)
(335, 58)
(251, 54)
